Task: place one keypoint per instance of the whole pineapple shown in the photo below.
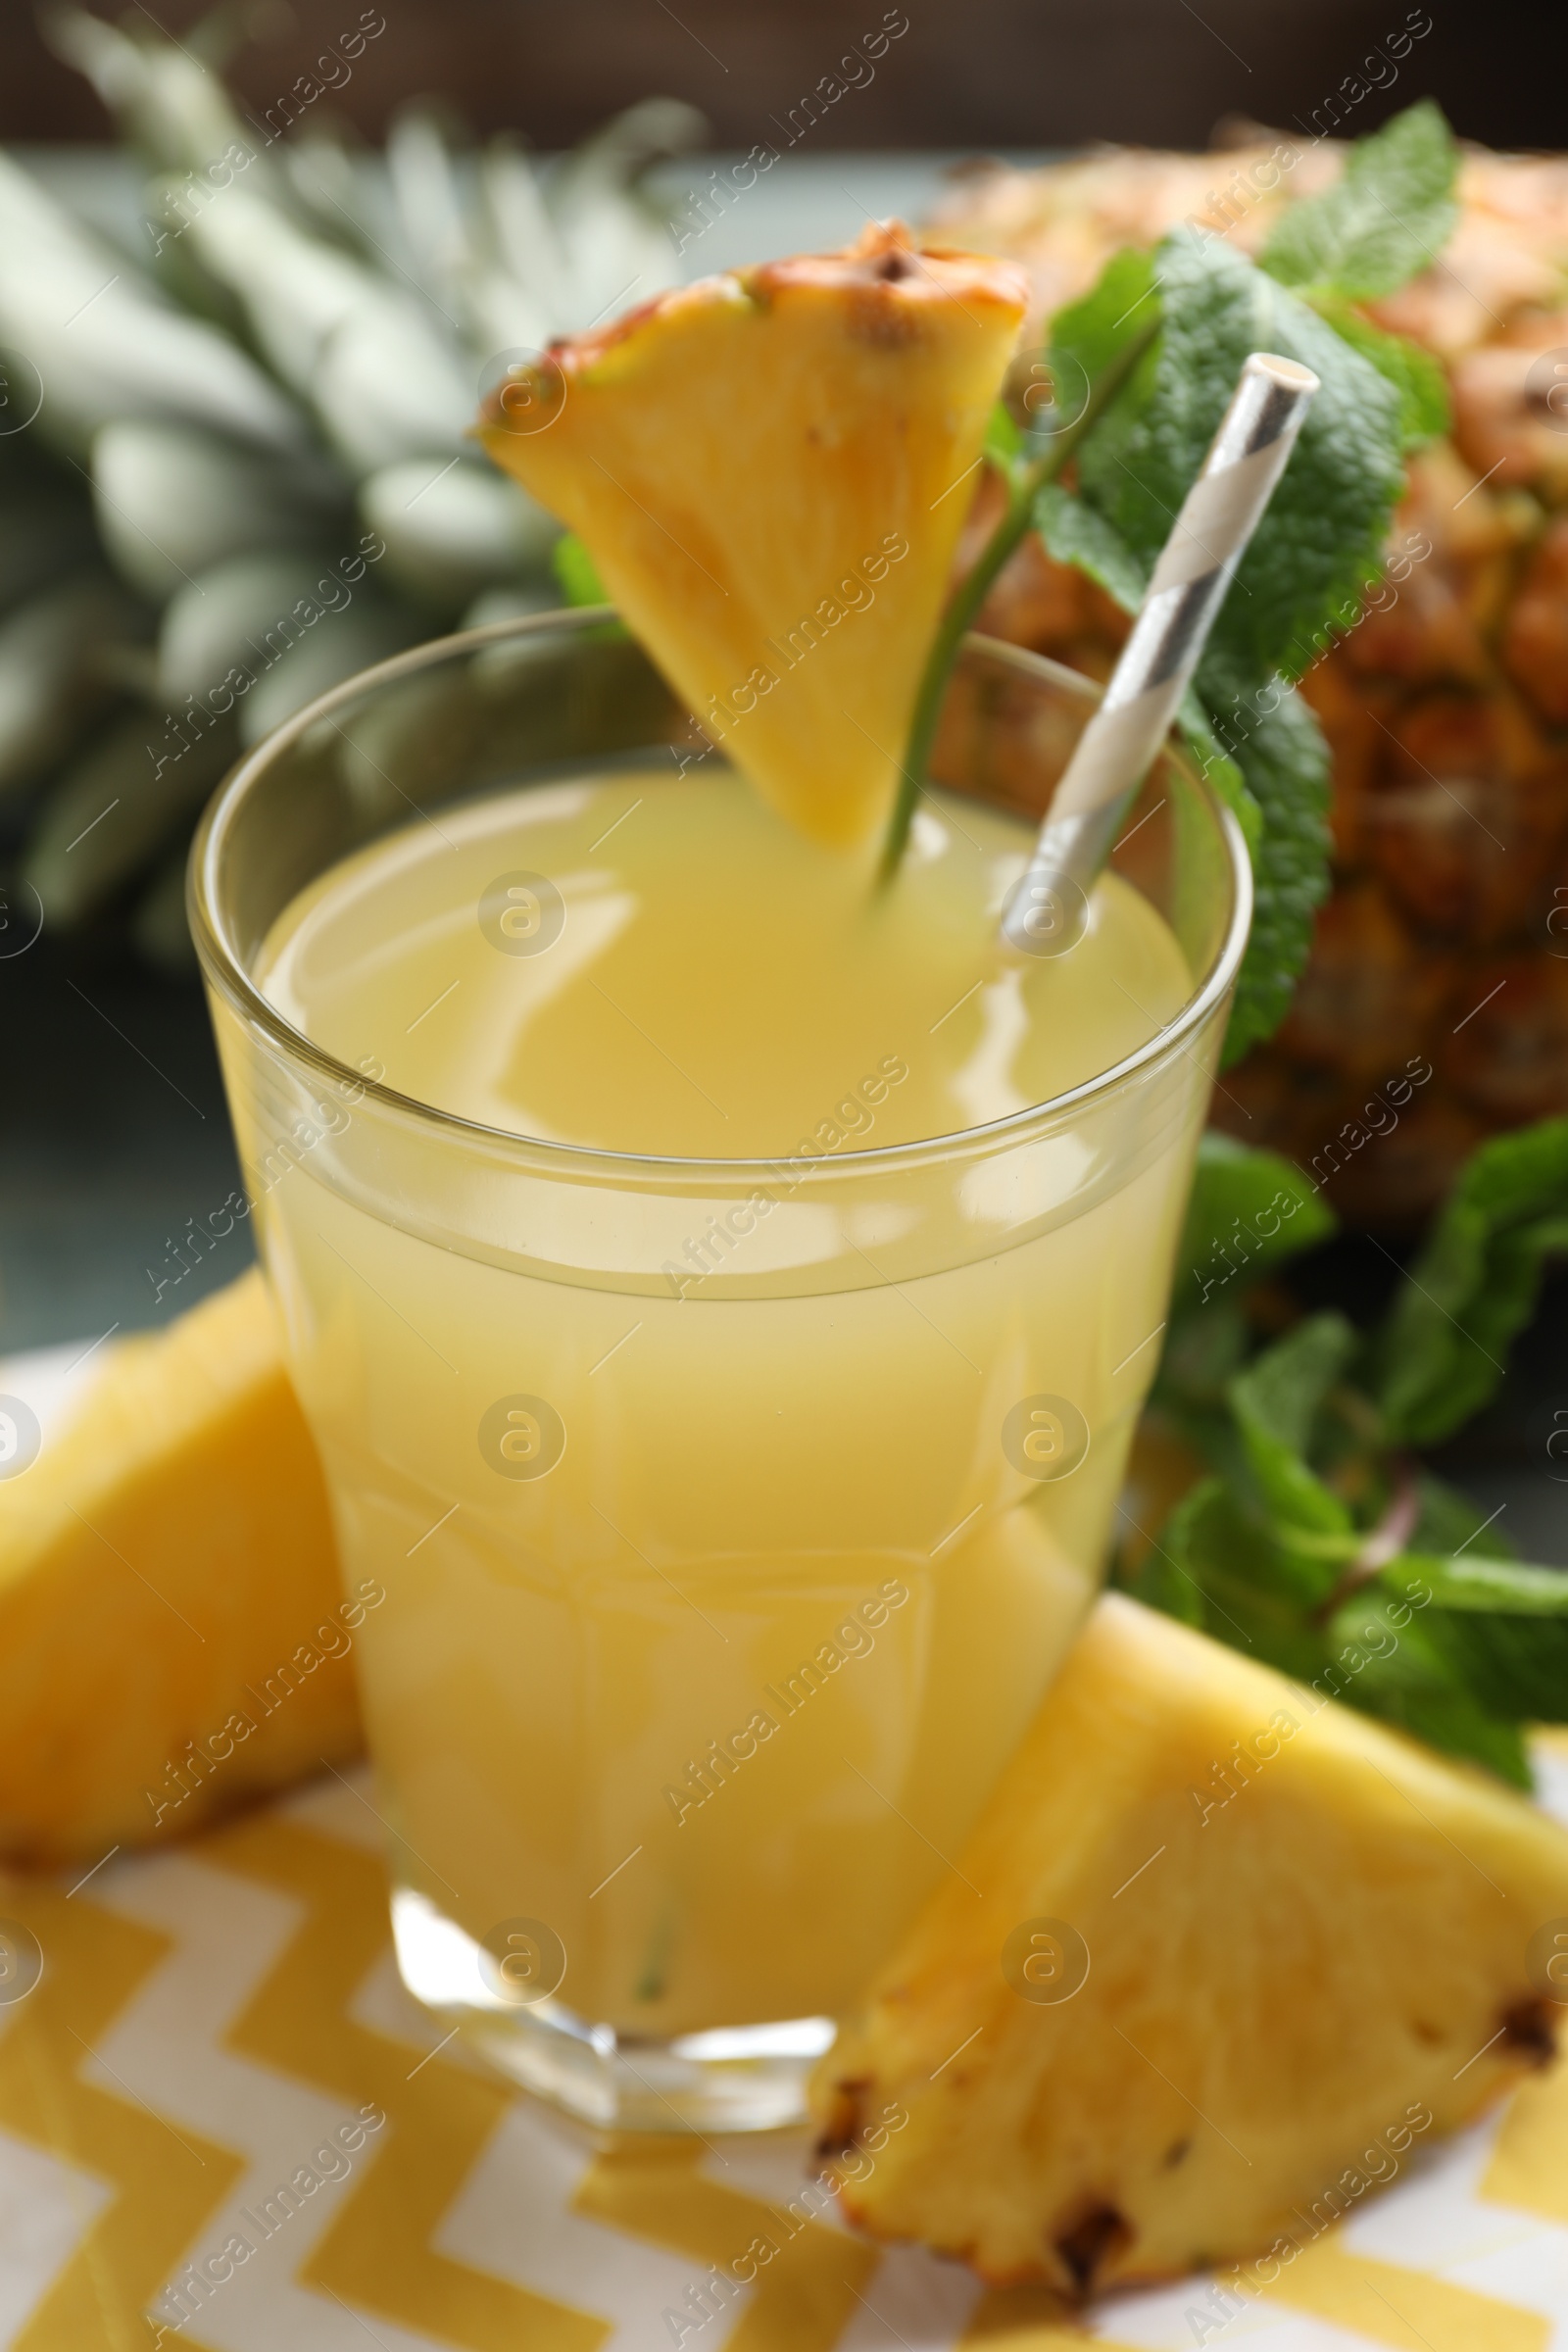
(234, 458)
(1444, 945)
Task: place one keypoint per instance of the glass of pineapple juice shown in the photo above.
(722, 1294)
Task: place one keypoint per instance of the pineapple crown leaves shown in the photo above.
(1169, 331)
(291, 333)
(1317, 1541)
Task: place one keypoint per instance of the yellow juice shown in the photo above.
(717, 1592)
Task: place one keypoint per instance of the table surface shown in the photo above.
(209, 2014)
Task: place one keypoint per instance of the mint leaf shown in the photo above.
(1290, 867)
(1248, 1210)
(1004, 437)
(1502, 1625)
(1090, 335)
(1386, 219)
(576, 573)
(1443, 1349)
(1397, 1665)
(1286, 768)
(1449, 1522)
(1211, 1568)
(1221, 770)
(1276, 1403)
(1281, 1393)
(1418, 378)
(1320, 542)
(1078, 534)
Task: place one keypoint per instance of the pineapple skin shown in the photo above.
(1445, 708)
(768, 470)
(168, 1573)
(1297, 1990)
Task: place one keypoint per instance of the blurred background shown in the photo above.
(139, 470)
(970, 74)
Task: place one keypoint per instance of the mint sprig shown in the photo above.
(1089, 344)
(1386, 219)
(1160, 342)
(1317, 1541)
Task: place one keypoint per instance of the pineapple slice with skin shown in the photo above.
(1219, 1953)
(770, 471)
(173, 1637)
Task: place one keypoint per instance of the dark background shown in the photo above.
(985, 75)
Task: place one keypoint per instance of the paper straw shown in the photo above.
(1047, 912)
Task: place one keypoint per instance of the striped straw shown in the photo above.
(1047, 912)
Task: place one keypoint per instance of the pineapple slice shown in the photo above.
(173, 1634)
(1215, 1956)
(770, 471)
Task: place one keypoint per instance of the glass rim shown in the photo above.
(224, 971)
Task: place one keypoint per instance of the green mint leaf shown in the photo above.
(1425, 414)
(1320, 542)
(1284, 764)
(1449, 1522)
(1004, 438)
(1501, 1625)
(1281, 1393)
(1248, 1211)
(1389, 1661)
(576, 573)
(1212, 1568)
(1163, 1579)
(1222, 772)
(1443, 1349)
(1090, 335)
(1276, 1403)
(1078, 534)
(1386, 219)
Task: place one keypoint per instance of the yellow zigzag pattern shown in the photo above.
(168, 2181)
(1528, 2165)
(378, 2254)
(801, 2300)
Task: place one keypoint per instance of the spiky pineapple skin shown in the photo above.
(1278, 1978)
(769, 468)
(1441, 950)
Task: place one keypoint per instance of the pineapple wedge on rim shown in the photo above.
(770, 470)
(1218, 1956)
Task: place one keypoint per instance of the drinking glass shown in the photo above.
(707, 1613)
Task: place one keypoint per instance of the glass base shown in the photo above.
(732, 2079)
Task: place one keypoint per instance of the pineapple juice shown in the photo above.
(716, 1601)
